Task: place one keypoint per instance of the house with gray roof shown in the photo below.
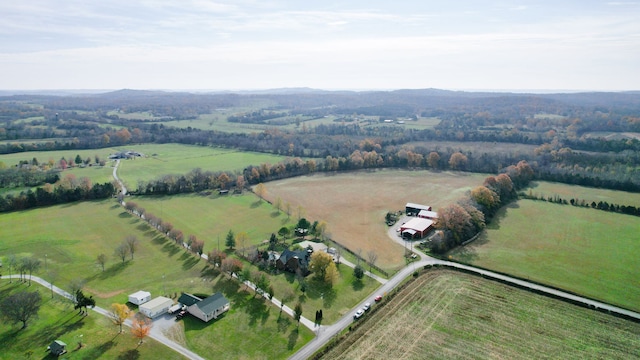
(209, 308)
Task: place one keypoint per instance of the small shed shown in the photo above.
(57, 348)
(140, 297)
(413, 209)
(156, 307)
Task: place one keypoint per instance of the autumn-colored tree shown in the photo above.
(240, 183)
(216, 256)
(197, 246)
(101, 260)
(119, 314)
(141, 327)
(433, 159)
(241, 240)
(223, 179)
(485, 197)
(457, 220)
(458, 161)
(323, 267)
(260, 190)
(177, 236)
(231, 266)
(278, 204)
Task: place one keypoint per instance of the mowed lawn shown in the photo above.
(586, 251)
(449, 315)
(211, 217)
(165, 159)
(354, 204)
(57, 320)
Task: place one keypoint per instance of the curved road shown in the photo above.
(325, 333)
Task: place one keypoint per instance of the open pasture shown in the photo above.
(211, 217)
(567, 192)
(586, 251)
(164, 159)
(354, 204)
(449, 315)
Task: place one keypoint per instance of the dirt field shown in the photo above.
(354, 204)
(450, 315)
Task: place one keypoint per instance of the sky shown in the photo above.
(562, 45)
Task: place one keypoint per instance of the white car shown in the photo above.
(366, 306)
(358, 314)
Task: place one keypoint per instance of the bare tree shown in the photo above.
(372, 256)
(101, 260)
(122, 251)
(75, 285)
(131, 242)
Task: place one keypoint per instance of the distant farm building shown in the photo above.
(425, 214)
(413, 209)
(416, 228)
(125, 155)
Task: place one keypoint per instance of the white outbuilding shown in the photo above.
(156, 307)
(139, 297)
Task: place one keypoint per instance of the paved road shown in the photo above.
(325, 333)
(155, 334)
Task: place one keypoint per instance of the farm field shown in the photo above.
(449, 315)
(568, 192)
(57, 320)
(586, 251)
(211, 217)
(354, 204)
(179, 159)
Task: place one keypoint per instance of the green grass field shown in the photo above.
(71, 236)
(449, 315)
(211, 217)
(548, 189)
(586, 251)
(180, 159)
(57, 320)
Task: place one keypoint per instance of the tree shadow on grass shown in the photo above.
(159, 240)
(112, 270)
(143, 227)
(124, 215)
(357, 285)
(255, 204)
(293, 339)
(190, 262)
(170, 249)
(132, 354)
(319, 289)
(283, 323)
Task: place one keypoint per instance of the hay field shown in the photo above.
(449, 315)
(354, 204)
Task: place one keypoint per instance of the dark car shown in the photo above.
(181, 314)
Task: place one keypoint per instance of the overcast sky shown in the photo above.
(247, 44)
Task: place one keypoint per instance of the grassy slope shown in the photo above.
(568, 192)
(448, 315)
(590, 252)
(211, 217)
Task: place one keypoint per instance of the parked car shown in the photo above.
(358, 314)
(366, 306)
(378, 298)
(181, 314)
